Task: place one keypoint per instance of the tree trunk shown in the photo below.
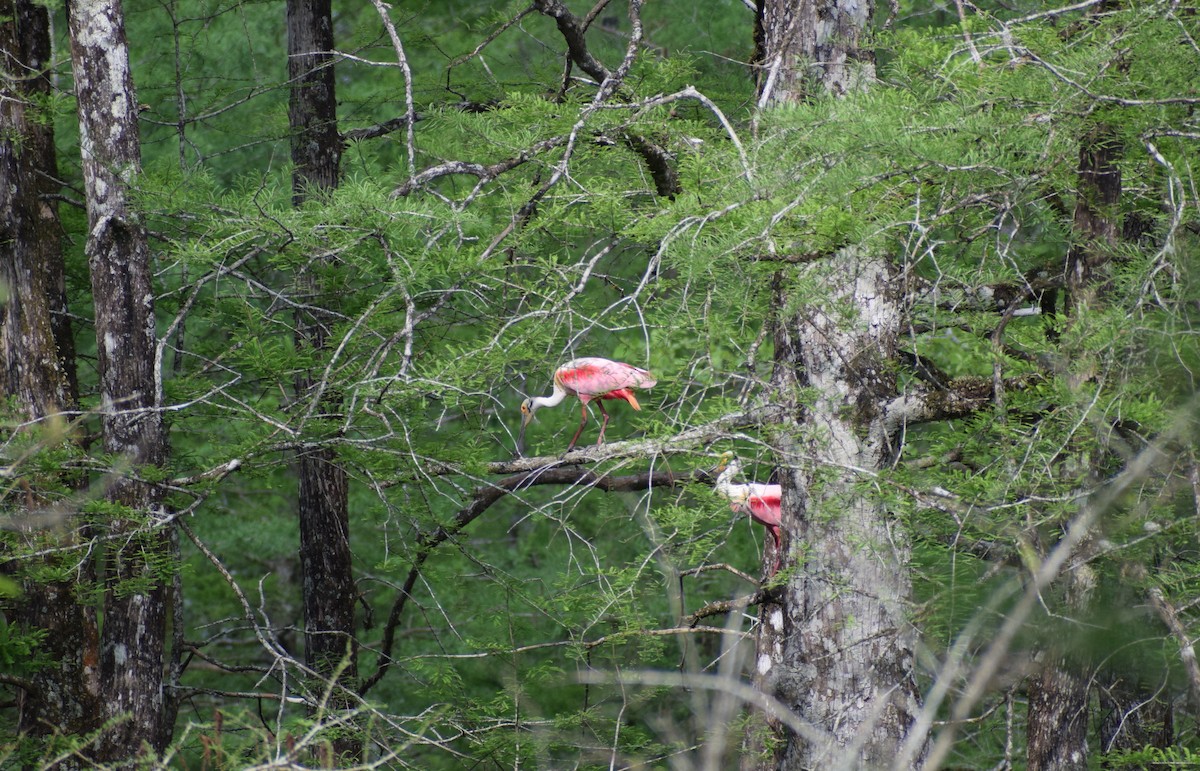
(1132, 716)
(1058, 697)
(325, 558)
(38, 354)
(804, 48)
(140, 561)
(39, 370)
(846, 661)
(312, 106)
(1058, 702)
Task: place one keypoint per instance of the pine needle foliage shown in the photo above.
(452, 290)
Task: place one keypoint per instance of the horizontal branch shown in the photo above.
(380, 129)
(771, 594)
(484, 173)
(964, 396)
(527, 472)
(682, 443)
(18, 682)
(997, 297)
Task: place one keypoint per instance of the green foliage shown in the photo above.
(1153, 758)
(443, 307)
(18, 646)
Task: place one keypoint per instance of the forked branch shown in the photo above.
(483, 499)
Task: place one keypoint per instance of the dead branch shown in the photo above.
(1187, 653)
(963, 397)
(484, 173)
(682, 443)
(772, 594)
(573, 33)
(717, 566)
(658, 161)
(484, 498)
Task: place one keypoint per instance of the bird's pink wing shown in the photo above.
(595, 377)
(765, 504)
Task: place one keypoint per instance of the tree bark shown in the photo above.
(845, 662)
(39, 371)
(35, 330)
(329, 593)
(1058, 711)
(1058, 697)
(312, 106)
(805, 48)
(140, 561)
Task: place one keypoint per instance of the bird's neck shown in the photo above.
(725, 484)
(552, 400)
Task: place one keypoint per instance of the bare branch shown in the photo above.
(1187, 653)
(573, 33)
(18, 682)
(484, 498)
(482, 172)
(963, 397)
(771, 594)
(410, 114)
(380, 129)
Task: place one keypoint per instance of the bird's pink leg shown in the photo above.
(603, 423)
(578, 431)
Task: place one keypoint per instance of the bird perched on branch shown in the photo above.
(761, 502)
(589, 379)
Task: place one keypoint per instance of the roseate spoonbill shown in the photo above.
(590, 378)
(761, 502)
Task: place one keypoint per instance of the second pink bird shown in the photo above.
(761, 502)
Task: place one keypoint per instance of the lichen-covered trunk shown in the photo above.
(34, 327)
(840, 652)
(139, 560)
(39, 380)
(1058, 717)
(847, 664)
(805, 48)
(325, 559)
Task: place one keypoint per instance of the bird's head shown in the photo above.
(727, 468)
(528, 407)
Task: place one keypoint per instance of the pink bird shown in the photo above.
(761, 502)
(591, 378)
